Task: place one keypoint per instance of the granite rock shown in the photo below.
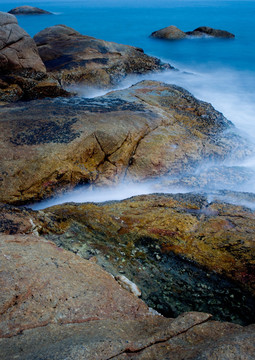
(173, 33)
(74, 58)
(17, 49)
(144, 132)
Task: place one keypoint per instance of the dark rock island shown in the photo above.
(28, 10)
(173, 33)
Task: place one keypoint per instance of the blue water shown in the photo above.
(224, 69)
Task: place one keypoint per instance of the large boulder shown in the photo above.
(173, 33)
(22, 72)
(78, 59)
(28, 10)
(17, 48)
(146, 131)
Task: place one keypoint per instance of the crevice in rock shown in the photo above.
(130, 350)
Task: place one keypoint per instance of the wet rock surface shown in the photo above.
(173, 33)
(210, 178)
(28, 10)
(146, 131)
(182, 252)
(27, 85)
(74, 58)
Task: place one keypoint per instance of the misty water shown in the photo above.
(218, 71)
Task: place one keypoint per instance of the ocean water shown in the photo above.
(224, 70)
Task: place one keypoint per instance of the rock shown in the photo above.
(206, 30)
(128, 285)
(56, 305)
(173, 33)
(210, 178)
(28, 10)
(170, 32)
(43, 284)
(183, 252)
(146, 131)
(23, 74)
(29, 85)
(17, 48)
(191, 336)
(206, 250)
(75, 309)
(77, 59)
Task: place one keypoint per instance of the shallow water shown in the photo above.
(224, 70)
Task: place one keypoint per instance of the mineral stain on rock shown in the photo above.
(45, 132)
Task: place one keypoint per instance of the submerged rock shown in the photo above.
(28, 10)
(146, 131)
(173, 33)
(74, 58)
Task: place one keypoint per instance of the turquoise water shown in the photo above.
(224, 70)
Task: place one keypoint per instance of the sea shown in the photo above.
(223, 71)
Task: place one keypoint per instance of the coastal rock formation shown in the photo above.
(146, 131)
(62, 306)
(42, 284)
(23, 74)
(28, 10)
(183, 252)
(191, 336)
(173, 33)
(17, 49)
(29, 85)
(206, 30)
(78, 59)
(209, 178)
